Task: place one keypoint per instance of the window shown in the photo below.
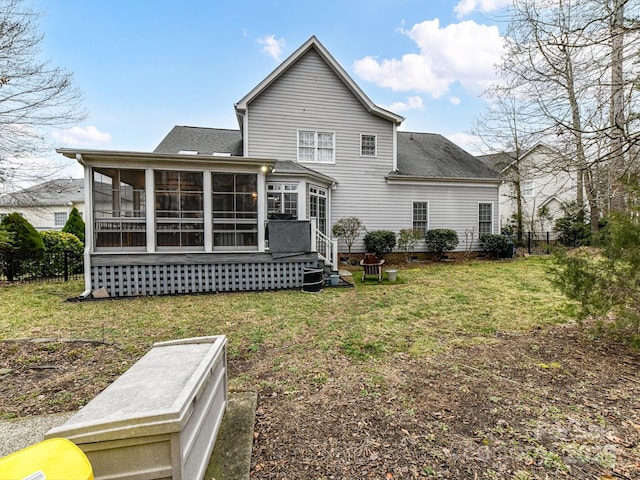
(282, 200)
(179, 209)
(421, 216)
(368, 145)
(119, 208)
(235, 210)
(316, 146)
(485, 218)
(528, 188)
(59, 219)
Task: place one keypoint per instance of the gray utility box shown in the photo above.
(160, 418)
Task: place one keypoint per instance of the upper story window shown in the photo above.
(421, 216)
(485, 218)
(528, 188)
(59, 219)
(282, 199)
(119, 211)
(368, 145)
(316, 146)
(179, 199)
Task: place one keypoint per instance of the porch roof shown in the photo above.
(120, 157)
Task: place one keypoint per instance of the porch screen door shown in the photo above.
(318, 207)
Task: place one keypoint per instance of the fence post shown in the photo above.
(66, 265)
(548, 246)
(529, 242)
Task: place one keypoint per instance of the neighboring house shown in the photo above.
(250, 209)
(47, 205)
(544, 187)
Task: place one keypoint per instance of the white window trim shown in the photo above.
(532, 193)
(492, 216)
(375, 145)
(413, 202)
(315, 146)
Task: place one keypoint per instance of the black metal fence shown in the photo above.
(536, 243)
(57, 266)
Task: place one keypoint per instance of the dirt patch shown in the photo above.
(549, 404)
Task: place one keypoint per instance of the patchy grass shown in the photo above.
(428, 309)
(456, 370)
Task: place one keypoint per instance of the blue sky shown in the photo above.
(147, 65)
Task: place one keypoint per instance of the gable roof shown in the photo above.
(501, 161)
(314, 43)
(498, 161)
(432, 156)
(61, 191)
(205, 141)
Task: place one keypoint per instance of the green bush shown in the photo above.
(407, 241)
(493, 244)
(380, 242)
(572, 230)
(57, 244)
(25, 251)
(606, 281)
(75, 224)
(441, 240)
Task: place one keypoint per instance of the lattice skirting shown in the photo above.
(129, 280)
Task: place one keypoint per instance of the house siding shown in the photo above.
(310, 96)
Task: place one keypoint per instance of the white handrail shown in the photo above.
(326, 247)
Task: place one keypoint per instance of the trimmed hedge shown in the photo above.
(441, 240)
(380, 242)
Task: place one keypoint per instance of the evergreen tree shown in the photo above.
(25, 252)
(75, 224)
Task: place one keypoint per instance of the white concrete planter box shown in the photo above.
(160, 418)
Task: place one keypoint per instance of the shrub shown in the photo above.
(407, 240)
(56, 245)
(75, 224)
(493, 244)
(441, 240)
(380, 242)
(572, 230)
(606, 281)
(25, 250)
(348, 229)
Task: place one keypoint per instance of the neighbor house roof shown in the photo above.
(61, 191)
(431, 156)
(498, 161)
(314, 43)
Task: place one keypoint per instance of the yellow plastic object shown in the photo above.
(52, 459)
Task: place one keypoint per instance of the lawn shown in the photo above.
(457, 370)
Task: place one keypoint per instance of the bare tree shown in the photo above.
(566, 57)
(507, 133)
(35, 97)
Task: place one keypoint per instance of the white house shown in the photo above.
(249, 209)
(545, 186)
(47, 205)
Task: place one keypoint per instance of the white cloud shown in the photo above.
(412, 103)
(465, 7)
(454, 100)
(82, 137)
(468, 142)
(272, 46)
(464, 52)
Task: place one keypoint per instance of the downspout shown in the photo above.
(395, 148)
(88, 226)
